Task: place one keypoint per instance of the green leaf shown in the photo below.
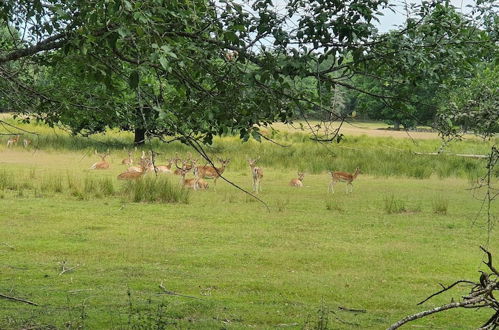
(133, 80)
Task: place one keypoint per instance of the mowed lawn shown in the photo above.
(240, 264)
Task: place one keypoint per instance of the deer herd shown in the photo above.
(201, 172)
(147, 164)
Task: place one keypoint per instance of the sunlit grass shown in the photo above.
(291, 265)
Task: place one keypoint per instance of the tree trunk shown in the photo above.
(140, 136)
(396, 126)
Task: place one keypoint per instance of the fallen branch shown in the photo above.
(171, 293)
(436, 310)
(66, 270)
(480, 296)
(18, 299)
(346, 309)
(8, 245)
(458, 155)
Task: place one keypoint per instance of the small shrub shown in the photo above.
(6, 180)
(51, 183)
(440, 205)
(106, 187)
(393, 205)
(332, 205)
(281, 204)
(89, 185)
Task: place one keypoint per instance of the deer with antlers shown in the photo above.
(12, 141)
(134, 175)
(188, 163)
(103, 164)
(343, 177)
(256, 174)
(298, 182)
(211, 172)
(164, 168)
(128, 161)
(187, 183)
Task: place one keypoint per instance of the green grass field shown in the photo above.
(234, 263)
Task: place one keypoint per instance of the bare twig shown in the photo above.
(18, 299)
(436, 310)
(171, 293)
(346, 309)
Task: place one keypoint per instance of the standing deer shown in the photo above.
(12, 141)
(103, 164)
(187, 183)
(26, 142)
(298, 182)
(211, 172)
(256, 173)
(343, 177)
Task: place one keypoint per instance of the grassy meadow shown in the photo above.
(92, 254)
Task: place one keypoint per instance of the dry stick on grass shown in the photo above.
(66, 270)
(346, 309)
(8, 245)
(18, 299)
(481, 296)
(171, 293)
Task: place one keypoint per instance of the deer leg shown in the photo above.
(331, 187)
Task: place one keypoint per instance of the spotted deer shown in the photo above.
(133, 175)
(103, 164)
(343, 177)
(256, 174)
(128, 161)
(26, 142)
(187, 183)
(211, 172)
(298, 182)
(12, 141)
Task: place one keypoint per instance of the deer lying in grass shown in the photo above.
(12, 141)
(165, 168)
(188, 163)
(343, 177)
(103, 164)
(134, 175)
(211, 172)
(256, 174)
(128, 161)
(298, 182)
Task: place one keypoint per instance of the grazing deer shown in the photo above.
(133, 175)
(128, 161)
(103, 164)
(298, 182)
(12, 141)
(187, 183)
(26, 142)
(256, 173)
(211, 172)
(343, 177)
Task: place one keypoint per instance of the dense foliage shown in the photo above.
(198, 68)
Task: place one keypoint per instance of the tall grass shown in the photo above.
(150, 189)
(377, 156)
(154, 189)
(440, 205)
